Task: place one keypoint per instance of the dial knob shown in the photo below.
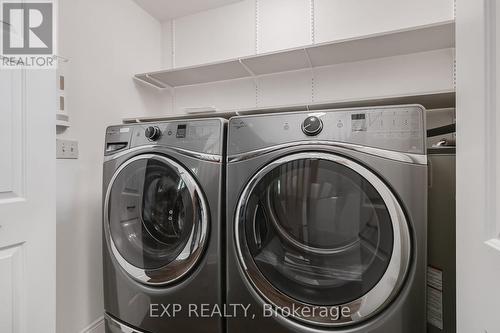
(153, 133)
(312, 126)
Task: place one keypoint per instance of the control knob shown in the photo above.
(312, 126)
(153, 133)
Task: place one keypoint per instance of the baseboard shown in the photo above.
(96, 327)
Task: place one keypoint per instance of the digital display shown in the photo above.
(181, 131)
(358, 122)
(358, 116)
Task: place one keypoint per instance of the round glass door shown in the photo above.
(156, 219)
(317, 231)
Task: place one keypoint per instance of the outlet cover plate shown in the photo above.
(66, 149)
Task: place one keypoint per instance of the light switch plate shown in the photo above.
(66, 149)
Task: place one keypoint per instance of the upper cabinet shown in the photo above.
(342, 19)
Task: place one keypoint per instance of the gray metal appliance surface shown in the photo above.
(441, 282)
(326, 221)
(162, 222)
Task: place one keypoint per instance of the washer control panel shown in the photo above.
(397, 128)
(198, 135)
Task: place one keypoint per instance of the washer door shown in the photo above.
(323, 234)
(156, 219)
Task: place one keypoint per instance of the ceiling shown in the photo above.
(168, 9)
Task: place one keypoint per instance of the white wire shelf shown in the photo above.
(406, 41)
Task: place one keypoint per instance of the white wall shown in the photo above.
(340, 19)
(107, 41)
(259, 26)
(167, 50)
(221, 33)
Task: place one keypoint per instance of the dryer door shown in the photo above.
(156, 219)
(321, 233)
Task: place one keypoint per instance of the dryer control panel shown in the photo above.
(396, 128)
(197, 135)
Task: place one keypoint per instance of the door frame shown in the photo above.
(478, 160)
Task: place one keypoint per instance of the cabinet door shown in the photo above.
(27, 201)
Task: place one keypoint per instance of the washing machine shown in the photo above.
(162, 223)
(326, 221)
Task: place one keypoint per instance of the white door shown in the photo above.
(478, 176)
(27, 201)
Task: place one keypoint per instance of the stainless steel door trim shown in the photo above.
(122, 327)
(165, 149)
(189, 256)
(366, 306)
(389, 154)
(290, 239)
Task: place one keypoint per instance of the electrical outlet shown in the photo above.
(66, 149)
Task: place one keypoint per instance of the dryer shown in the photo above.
(161, 225)
(326, 216)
